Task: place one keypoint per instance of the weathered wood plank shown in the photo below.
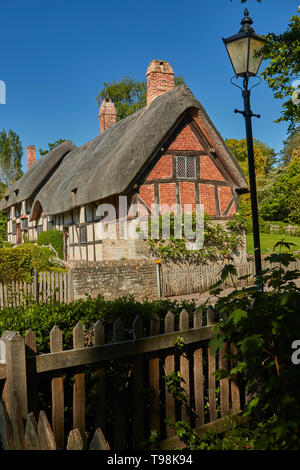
(16, 380)
(234, 388)
(6, 433)
(154, 382)
(137, 388)
(198, 374)
(211, 371)
(119, 419)
(57, 391)
(99, 339)
(31, 433)
(79, 385)
(224, 383)
(169, 368)
(73, 358)
(17, 423)
(75, 441)
(46, 437)
(98, 441)
(185, 367)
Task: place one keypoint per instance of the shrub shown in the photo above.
(16, 264)
(54, 238)
(263, 325)
(41, 317)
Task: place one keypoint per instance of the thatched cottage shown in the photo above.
(166, 153)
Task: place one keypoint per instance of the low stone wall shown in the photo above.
(115, 278)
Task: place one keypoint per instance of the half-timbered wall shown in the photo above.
(189, 172)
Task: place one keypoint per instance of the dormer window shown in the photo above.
(186, 167)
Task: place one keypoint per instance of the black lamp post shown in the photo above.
(242, 48)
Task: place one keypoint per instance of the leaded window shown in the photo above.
(186, 167)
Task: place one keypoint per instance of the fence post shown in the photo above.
(70, 286)
(35, 282)
(16, 379)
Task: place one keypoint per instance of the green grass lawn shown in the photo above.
(268, 241)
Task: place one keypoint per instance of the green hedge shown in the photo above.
(41, 317)
(54, 238)
(16, 264)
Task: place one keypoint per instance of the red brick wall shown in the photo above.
(208, 170)
(162, 169)
(187, 194)
(225, 196)
(147, 194)
(167, 194)
(207, 198)
(186, 140)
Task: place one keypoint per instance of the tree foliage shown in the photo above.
(264, 158)
(128, 95)
(218, 242)
(10, 157)
(283, 53)
(279, 195)
(51, 146)
(291, 144)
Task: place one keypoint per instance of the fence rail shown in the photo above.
(190, 279)
(43, 287)
(125, 377)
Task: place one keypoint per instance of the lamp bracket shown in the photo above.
(245, 114)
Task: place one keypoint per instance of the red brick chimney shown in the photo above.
(30, 155)
(107, 115)
(160, 78)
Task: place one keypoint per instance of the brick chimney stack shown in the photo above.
(30, 155)
(107, 115)
(160, 79)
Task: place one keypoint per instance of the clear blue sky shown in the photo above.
(56, 55)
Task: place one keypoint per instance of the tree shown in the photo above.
(128, 95)
(51, 147)
(10, 157)
(279, 196)
(290, 145)
(283, 52)
(263, 157)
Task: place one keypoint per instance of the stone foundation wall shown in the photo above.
(115, 278)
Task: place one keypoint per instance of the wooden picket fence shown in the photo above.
(138, 359)
(190, 279)
(43, 287)
(38, 435)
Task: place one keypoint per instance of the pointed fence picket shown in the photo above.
(189, 279)
(131, 395)
(44, 287)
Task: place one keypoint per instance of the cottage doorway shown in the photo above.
(19, 234)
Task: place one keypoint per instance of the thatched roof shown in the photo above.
(37, 175)
(111, 163)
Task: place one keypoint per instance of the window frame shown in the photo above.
(186, 157)
(82, 240)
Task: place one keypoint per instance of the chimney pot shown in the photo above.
(30, 155)
(107, 115)
(160, 79)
